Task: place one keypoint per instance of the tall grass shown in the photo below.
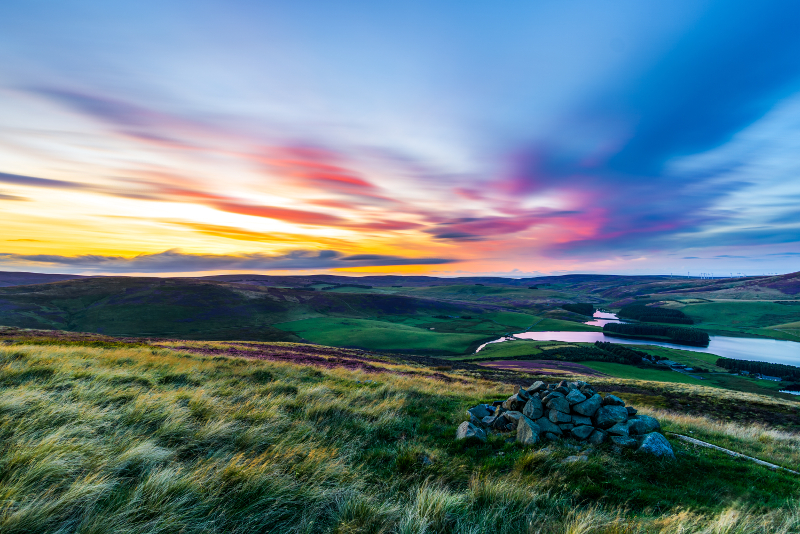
(142, 440)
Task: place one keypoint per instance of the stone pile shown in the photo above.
(566, 410)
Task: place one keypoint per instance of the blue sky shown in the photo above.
(434, 137)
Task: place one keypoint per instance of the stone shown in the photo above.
(497, 403)
(656, 444)
(613, 400)
(548, 426)
(470, 433)
(513, 418)
(608, 416)
(589, 406)
(582, 432)
(524, 395)
(514, 403)
(528, 432)
(631, 411)
(563, 390)
(619, 429)
(559, 403)
(537, 386)
(643, 424)
(597, 437)
(565, 427)
(550, 396)
(575, 397)
(558, 416)
(550, 436)
(480, 411)
(574, 459)
(581, 420)
(625, 442)
(474, 420)
(497, 422)
(533, 409)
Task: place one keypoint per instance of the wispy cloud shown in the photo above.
(177, 261)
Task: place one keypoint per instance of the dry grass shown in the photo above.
(142, 440)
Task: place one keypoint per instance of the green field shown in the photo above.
(619, 370)
(505, 350)
(753, 318)
(378, 335)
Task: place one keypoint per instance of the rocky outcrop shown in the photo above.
(571, 410)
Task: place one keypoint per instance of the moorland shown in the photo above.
(329, 404)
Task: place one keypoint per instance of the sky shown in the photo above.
(445, 138)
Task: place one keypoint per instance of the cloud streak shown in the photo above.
(177, 261)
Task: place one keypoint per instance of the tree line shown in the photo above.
(583, 309)
(686, 336)
(647, 314)
(786, 372)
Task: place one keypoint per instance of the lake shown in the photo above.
(740, 348)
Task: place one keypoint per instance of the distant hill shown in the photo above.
(189, 308)
(8, 279)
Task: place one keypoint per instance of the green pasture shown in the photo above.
(506, 350)
(620, 370)
(378, 335)
(743, 317)
(489, 324)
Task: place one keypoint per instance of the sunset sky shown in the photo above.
(512, 138)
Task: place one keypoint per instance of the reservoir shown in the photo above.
(740, 348)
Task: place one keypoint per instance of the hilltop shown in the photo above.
(106, 434)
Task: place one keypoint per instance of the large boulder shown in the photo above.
(655, 444)
(589, 406)
(575, 397)
(548, 426)
(560, 404)
(582, 432)
(470, 433)
(643, 424)
(528, 432)
(608, 416)
(533, 409)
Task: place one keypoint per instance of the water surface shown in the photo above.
(740, 348)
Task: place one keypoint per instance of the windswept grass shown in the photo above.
(148, 440)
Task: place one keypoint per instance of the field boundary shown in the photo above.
(695, 441)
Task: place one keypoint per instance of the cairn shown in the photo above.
(566, 410)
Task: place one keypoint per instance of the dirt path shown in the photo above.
(695, 441)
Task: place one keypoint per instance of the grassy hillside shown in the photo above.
(192, 309)
(379, 335)
(743, 317)
(249, 306)
(182, 437)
